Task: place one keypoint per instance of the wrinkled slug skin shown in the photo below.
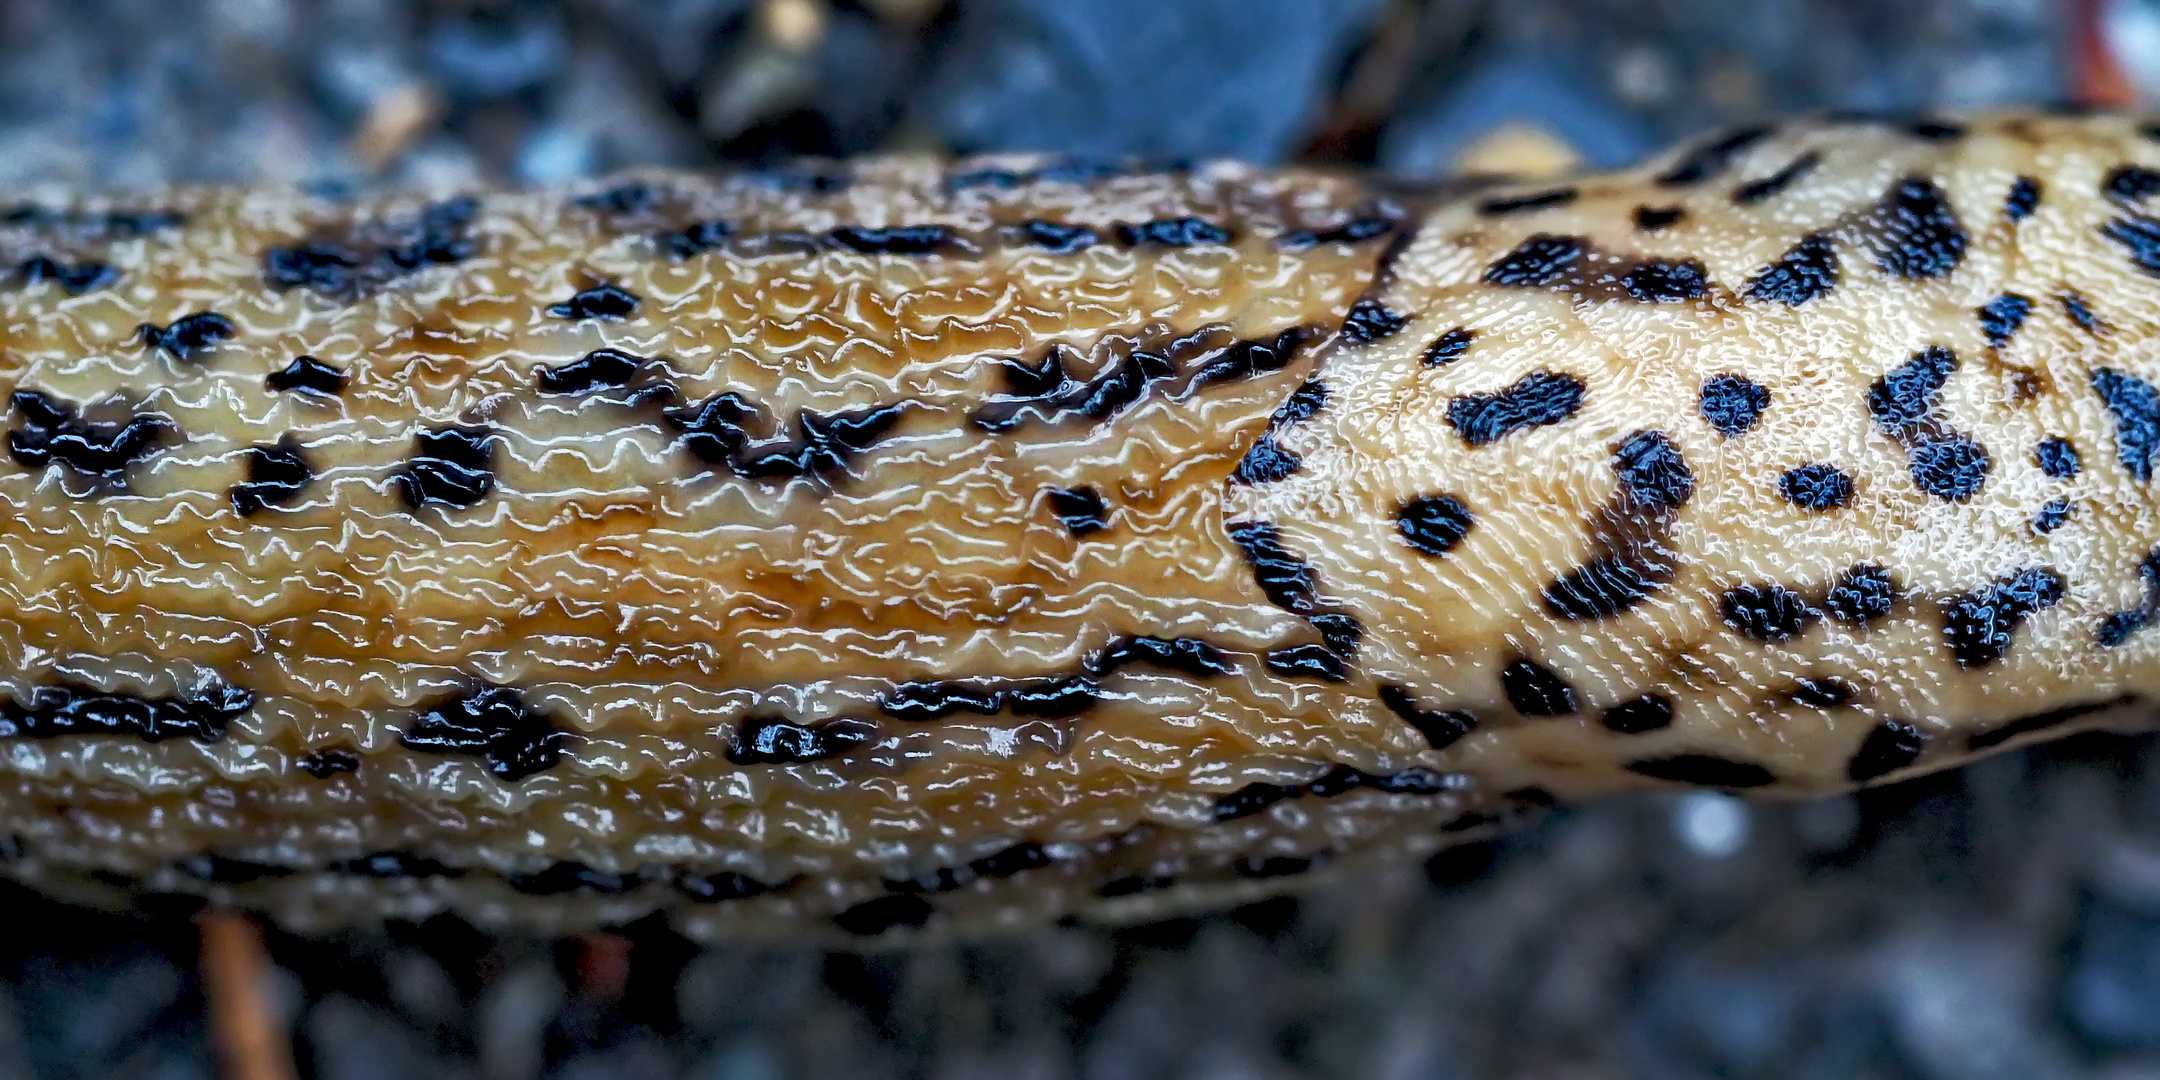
(962, 546)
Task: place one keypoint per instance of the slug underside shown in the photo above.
(964, 546)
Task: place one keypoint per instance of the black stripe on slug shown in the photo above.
(2135, 404)
(114, 225)
(1536, 690)
(276, 476)
(1354, 231)
(222, 870)
(885, 913)
(1172, 232)
(1704, 770)
(1535, 200)
(2082, 314)
(1448, 347)
(1711, 157)
(769, 740)
(50, 430)
(1828, 692)
(717, 432)
(307, 375)
(574, 877)
(895, 240)
(73, 278)
(1631, 552)
(606, 301)
(2139, 237)
(495, 724)
(1915, 232)
(1434, 524)
(324, 764)
(1755, 191)
(1267, 462)
(68, 708)
(1339, 780)
(1308, 662)
(722, 886)
(1370, 320)
(1059, 239)
(451, 465)
(1004, 863)
(366, 257)
(1806, 271)
(1930, 130)
(1889, 746)
(596, 369)
(394, 864)
(1441, 729)
(1285, 578)
(1535, 400)
(2119, 626)
(1190, 656)
(1303, 404)
(1978, 626)
(2130, 183)
(2041, 721)
(188, 336)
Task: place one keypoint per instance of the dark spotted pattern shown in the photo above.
(2139, 236)
(1704, 770)
(1650, 712)
(1889, 746)
(770, 740)
(2081, 314)
(1354, 231)
(1286, 579)
(2023, 199)
(1732, 403)
(1434, 524)
(2001, 317)
(1044, 393)
(922, 702)
(2057, 458)
(1003, 863)
(1755, 191)
(1537, 399)
(1905, 404)
(51, 430)
(1342, 779)
(1816, 486)
(717, 433)
(1767, 613)
(1861, 595)
(1978, 625)
(1172, 232)
(452, 465)
(324, 764)
(188, 336)
(895, 240)
(1081, 509)
(1654, 218)
(1190, 656)
(2118, 627)
(1059, 239)
(1546, 261)
(725, 885)
(1915, 232)
(2136, 408)
(494, 724)
(366, 258)
(276, 476)
(1822, 693)
(1441, 729)
(73, 278)
(82, 225)
(1536, 200)
(1710, 158)
(606, 301)
(1265, 463)
(1536, 690)
(2052, 516)
(593, 371)
(1448, 347)
(1631, 555)
(1260, 868)
(692, 240)
(1303, 404)
(1806, 271)
(1369, 320)
(1540, 261)
(1308, 662)
(307, 375)
(2130, 183)
(72, 709)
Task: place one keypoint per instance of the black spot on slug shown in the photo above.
(188, 336)
(2052, 516)
(324, 764)
(73, 709)
(1354, 231)
(1286, 579)
(1861, 595)
(2001, 317)
(1659, 281)
(1448, 347)
(1704, 770)
(1916, 233)
(1649, 712)
(1308, 662)
(1889, 746)
(1978, 625)
(494, 724)
(1905, 397)
(73, 278)
(2081, 314)
(1054, 698)
(220, 870)
(2130, 183)
(2057, 458)
(1536, 200)
(1059, 239)
(1654, 218)
(276, 476)
(1712, 157)
(2139, 237)
(596, 369)
(772, 741)
(1541, 260)
(1950, 468)
(1768, 613)
(1816, 486)
(692, 240)
(1807, 271)
(452, 465)
(1755, 191)
(1434, 524)
(2041, 721)
(2119, 626)
(895, 240)
(1441, 729)
(1369, 320)
(2136, 408)
(1303, 404)
(1266, 463)
(725, 885)
(1081, 509)
(1172, 232)
(1536, 690)
(1275, 866)
(50, 430)
(1822, 693)
(1732, 403)
(363, 259)
(1653, 473)
(115, 225)
(393, 864)
(1190, 656)
(1631, 551)
(2023, 199)
(307, 375)
(570, 877)
(1535, 400)
(1004, 863)
(922, 702)
(1046, 393)
(605, 301)
(877, 916)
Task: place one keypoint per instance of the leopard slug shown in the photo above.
(906, 545)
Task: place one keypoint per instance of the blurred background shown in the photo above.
(1999, 922)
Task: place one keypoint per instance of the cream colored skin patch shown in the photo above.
(962, 546)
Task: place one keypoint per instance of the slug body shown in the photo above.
(945, 546)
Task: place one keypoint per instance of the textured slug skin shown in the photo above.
(950, 546)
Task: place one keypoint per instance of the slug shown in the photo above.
(913, 546)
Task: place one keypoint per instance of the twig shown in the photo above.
(250, 1042)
